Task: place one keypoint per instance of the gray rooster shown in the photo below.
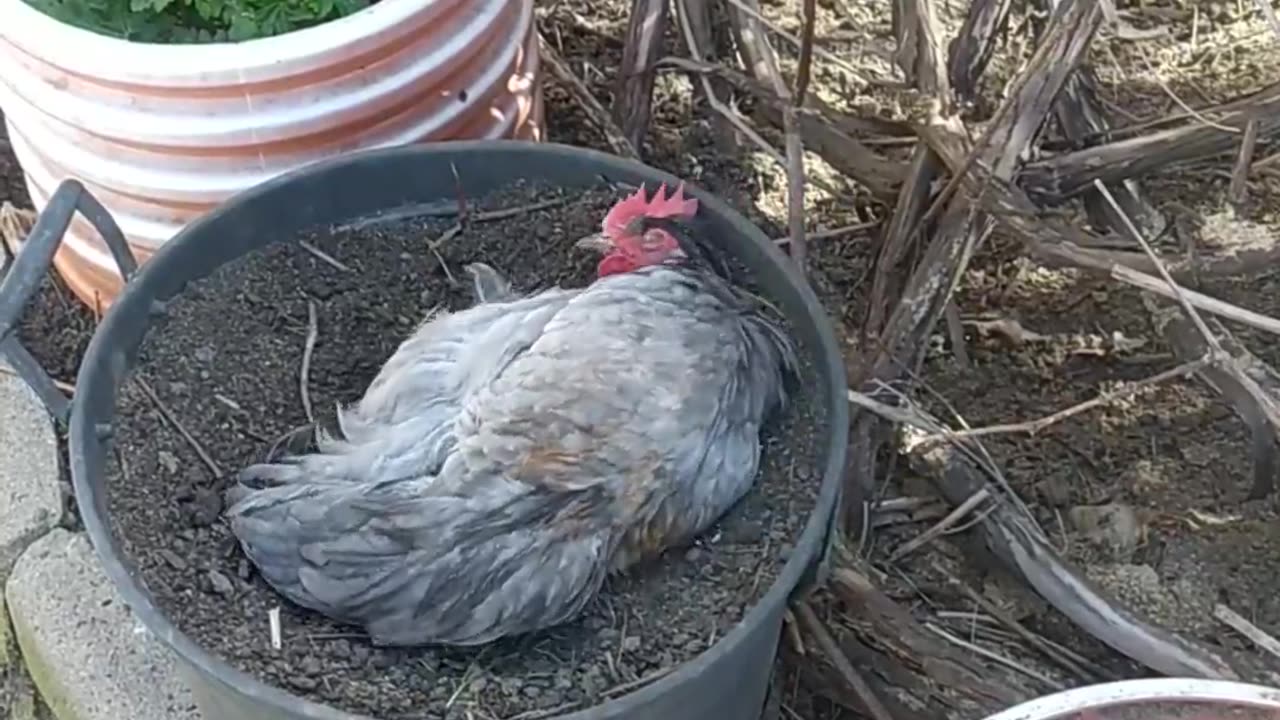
(510, 456)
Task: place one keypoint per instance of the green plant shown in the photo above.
(196, 21)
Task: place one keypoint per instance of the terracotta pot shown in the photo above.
(163, 133)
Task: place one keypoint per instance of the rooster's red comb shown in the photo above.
(660, 206)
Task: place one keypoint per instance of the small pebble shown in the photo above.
(221, 584)
(172, 558)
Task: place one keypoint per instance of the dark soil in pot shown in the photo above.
(225, 364)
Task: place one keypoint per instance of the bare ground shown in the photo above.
(1170, 465)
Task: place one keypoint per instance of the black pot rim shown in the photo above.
(83, 430)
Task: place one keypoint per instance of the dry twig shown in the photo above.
(643, 47)
(308, 348)
(182, 430)
(323, 256)
(1237, 622)
(1016, 540)
(1033, 427)
(874, 707)
(613, 135)
(759, 55)
(942, 526)
(1240, 175)
(994, 657)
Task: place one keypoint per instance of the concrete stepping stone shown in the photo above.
(83, 649)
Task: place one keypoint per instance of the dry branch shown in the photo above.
(874, 706)
(875, 615)
(759, 55)
(959, 231)
(824, 130)
(1013, 537)
(596, 113)
(1054, 242)
(972, 48)
(1080, 116)
(1247, 383)
(1251, 386)
(1057, 178)
(643, 46)
(1240, 175)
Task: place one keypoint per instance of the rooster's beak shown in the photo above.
(596, 241)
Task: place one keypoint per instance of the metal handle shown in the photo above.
(30, 264)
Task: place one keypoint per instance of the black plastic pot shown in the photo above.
(730, 680)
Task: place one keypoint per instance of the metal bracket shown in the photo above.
(32, 261)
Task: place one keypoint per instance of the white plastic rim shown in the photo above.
(1168, 690)
(161, 133)
(196, 65)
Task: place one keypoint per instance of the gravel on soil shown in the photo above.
(225, 362)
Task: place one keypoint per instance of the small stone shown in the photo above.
(303, 683)
(1054, 492)
(479, 684)
(243, 569)
(360, 654)
(1115, 527)
(221, 584)
(168, 461)
(630, 644)
(206, 507)
(205, 354)
(694, 555)
(172, 558)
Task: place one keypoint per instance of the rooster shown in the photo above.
(511, 456)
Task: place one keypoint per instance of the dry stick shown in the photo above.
(795, 143)
(1178, 292)
(920, 57)
(942, 526)
(959, 232)
(1236, 375)
(1240, 175)
(1237, 622)
(273, 622)
(308, 347)
(1194, 299)
(759, 54)
(899, 635)
(725, 111)
(1063, 176)
(955, 329)
(634, 93)
(1067, 658)
(1032, 427)
(173, 422)
(323, 256)
(488, 216)
(1014, 539)
(993, 656)
(751, 9)
(875, 708)
(1145, 127)
(823, 129)
(833, 232)
(969, 59)
(596, 113)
